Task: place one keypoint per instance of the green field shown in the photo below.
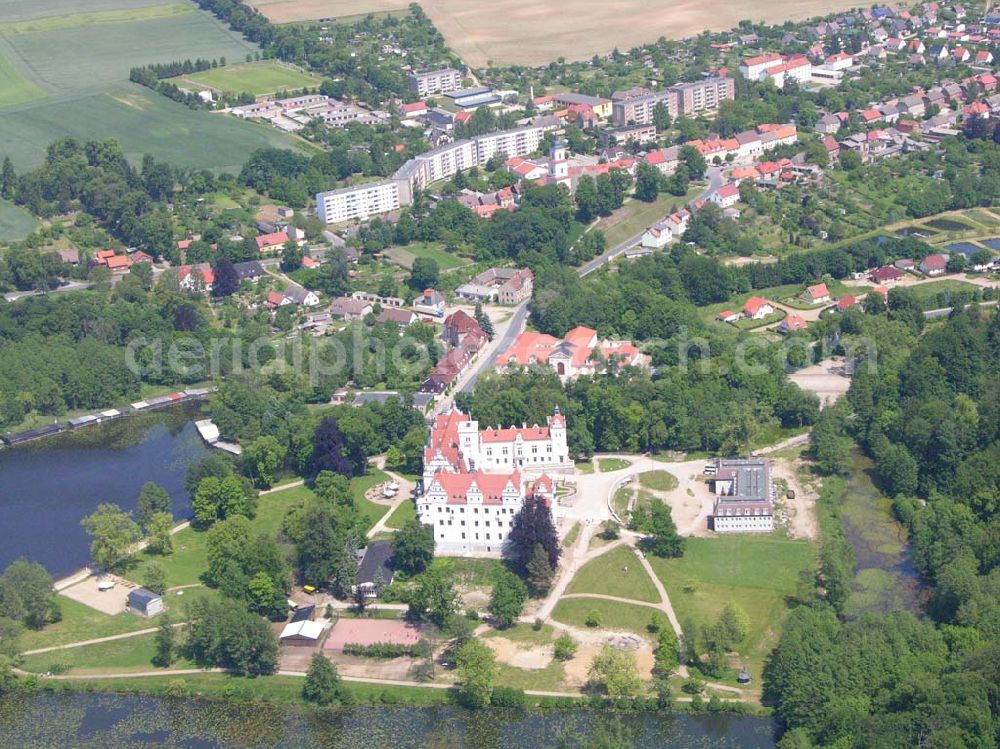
(610, 614)
(637, 215)
(64, 67)
(80, 622)
(133, 654)
(757, 573)
(256, 78)
(15, 222)
(15, 88)
(925, 291)
(405, 256)
(617, 573)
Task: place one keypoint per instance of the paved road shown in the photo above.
(933, 314)
(70, 286)
(715, 181)
(514, 328)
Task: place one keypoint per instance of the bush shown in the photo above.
(565, 648)
(509, 697)
(538, 624)
(380, 650)
(593, 619)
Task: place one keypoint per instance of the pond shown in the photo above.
(117, 721)
(48, 486)
(884, 576)
(964, 248)
(993, 244)
(947, 224)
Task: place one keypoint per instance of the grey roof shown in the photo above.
(752, 479)
(249, 269)
(142, 597)
(296, 293)
(378, 556)
(304, 613)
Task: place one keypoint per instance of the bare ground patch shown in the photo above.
(826, 379)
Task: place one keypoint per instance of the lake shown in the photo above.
(48, 486)
(118, 721)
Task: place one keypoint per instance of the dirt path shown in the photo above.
(97, 641)
(404, 494)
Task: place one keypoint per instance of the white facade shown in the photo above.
(737, 522)
(435, 82)
(744, 496)
(475, 481)
(357, 203)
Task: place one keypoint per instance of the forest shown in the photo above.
(927, 411)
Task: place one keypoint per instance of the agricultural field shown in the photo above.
(257, 78)
(535, 34)
(15, 222)
(64, 67)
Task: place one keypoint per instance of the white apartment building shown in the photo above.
(517, 142)
(753, 68)
(357, 202)
(435, 82)
(475, 481)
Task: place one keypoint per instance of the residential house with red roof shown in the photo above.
(816, 294)
(885, 275)
(757, 308)
(271, 242)
(791, 324)
(934, 265)
(846, 302)
(198, 277)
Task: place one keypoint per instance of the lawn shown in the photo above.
(572, 535)
(15, 222)
(658, 481)
(585, 467)
(80, 622)
(133, 654)
(636, 216)
(621, 501)
(925, 292)
(607, 465)
(370, 511)
(257, 78)
(435, 251)
(526, 634)
(610, 614)
(184, 566)
(403, 514)
(745, 323)
(617, 573)
(757, 573)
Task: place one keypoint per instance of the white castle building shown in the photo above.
(475, 481)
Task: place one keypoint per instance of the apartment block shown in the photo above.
(435, 81)
(639, 109)
(704, 95)
(357, 202)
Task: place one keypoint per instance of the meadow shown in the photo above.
(538, 33)
(758, 573)
(15, 222)
(64, 67)
(257, 78)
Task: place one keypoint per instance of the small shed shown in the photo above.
(304, 613)
(743, 677)
(145, 602)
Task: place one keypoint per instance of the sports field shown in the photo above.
(540, 32)
(257, 78)
(64, 67)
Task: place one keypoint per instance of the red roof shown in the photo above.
(460, 322)
(818, 290)
(754, 305)
(935, 262)
(458, 485)
(271, 240)
(118, 261)
(846, 301)
(794, 322)
(885, 273)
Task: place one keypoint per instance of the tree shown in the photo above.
(663, 539)
(484, 321)
(424, 273)
(733, 625)
(615, 672)
(693, 161)
(262, 458)
(154, 578)
(217, 499)
(661, 116)
(477, 672)
(507, 599)
(647, 183)
(413, 547)
(564, 647)
(291, 256)
(329, 450)
(8, 179)
(26, 594)
(227, 280)
(114, 532)
(434, 596)
(850, 161)
(226, 635)
(164, 642)
(152, 499)
(539, 573)
(533, 525)
(159, 538)
(323, 685)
